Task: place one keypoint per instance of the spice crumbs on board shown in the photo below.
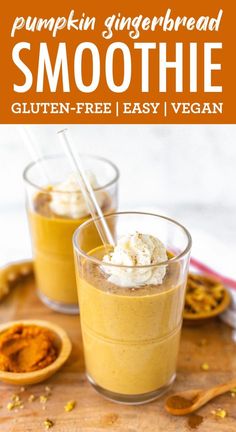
(43, 399)
(219, 412)
(69, 406)
(31, 398)
(48, 424)
(15, 403)
(205, 366)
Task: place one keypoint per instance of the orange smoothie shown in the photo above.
(56, 208)
(53, 253)
(130, 335)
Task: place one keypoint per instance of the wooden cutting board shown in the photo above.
(92, 412)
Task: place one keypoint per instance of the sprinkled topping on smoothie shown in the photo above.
(136, 250)
(72, 204)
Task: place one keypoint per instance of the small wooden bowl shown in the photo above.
(62, 342)
(201, 317)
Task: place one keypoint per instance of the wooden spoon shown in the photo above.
(190, 400)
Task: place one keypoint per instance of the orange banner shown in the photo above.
(117, 62)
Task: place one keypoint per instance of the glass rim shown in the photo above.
(61, 155)
(147, 266)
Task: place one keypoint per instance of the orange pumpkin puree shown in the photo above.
(26, 348)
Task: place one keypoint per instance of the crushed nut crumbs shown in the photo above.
(48, 389)
(10, 406)
(43, 399)
(219, 413)
(15, 403)
(205, 366)
(31, 398)
(69, 406)
(203, 294)
(48, 424)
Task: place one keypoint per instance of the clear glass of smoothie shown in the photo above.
(131, 302)
(55, 209)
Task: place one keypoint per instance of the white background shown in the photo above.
(185, 171)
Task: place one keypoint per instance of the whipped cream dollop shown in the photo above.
(68, 200)
(136, 250)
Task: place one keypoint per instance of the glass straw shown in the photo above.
(34, 152)
(86, 189)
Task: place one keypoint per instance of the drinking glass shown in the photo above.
(131, 334)
(51, 234)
